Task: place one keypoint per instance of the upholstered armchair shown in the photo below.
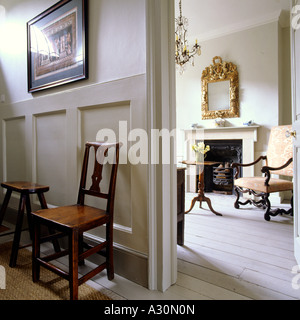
(278, 161)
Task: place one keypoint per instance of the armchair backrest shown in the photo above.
(280, 150)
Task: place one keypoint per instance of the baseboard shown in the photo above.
(127, 263)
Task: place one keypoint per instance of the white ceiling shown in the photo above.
(208, 18)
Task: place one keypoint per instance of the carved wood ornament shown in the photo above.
(221, 71)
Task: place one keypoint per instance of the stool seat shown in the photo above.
(24, 188)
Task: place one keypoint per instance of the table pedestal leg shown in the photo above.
(201, 197)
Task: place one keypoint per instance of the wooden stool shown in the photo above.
(25, 189)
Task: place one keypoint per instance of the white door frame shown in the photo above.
(162, 185)
(295, 71)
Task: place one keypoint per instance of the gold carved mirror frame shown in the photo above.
(217, 72)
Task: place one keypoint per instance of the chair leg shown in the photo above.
(268, 204)
(281, 211)
(109, 251)
(73, 264)
(236, 204)
(18, 230)
(238, 192)
(35, 251)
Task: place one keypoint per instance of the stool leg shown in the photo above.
(42, 200)
(35, 251)
(73, 264)
(28, 210)
(4, 205)
(44, 205)
(16, 242)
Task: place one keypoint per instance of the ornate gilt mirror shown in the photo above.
(220, 90)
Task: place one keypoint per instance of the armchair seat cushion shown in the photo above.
(258, 184)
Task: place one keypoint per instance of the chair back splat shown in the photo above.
(100, 153)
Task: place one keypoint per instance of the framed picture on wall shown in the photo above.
(57, 45)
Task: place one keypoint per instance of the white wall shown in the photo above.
(256, 52)
(116, 43)
(43, 134)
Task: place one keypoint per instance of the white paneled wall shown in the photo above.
(47, 147)
(93, 119)
(14, 155)
(49, 154)
(43, 134)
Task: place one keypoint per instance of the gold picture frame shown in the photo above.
(220, 90)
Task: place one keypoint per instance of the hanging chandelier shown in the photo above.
(182, 53)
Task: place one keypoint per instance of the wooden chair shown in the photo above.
(25, 189)
(73, 220)
(278, 161)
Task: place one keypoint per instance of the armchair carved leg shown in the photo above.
(280, 211)
(267, 202)
(238, 192)
(263, 203)
(236, 204)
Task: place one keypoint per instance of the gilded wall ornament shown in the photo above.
(220, 90)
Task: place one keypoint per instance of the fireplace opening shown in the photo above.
(219, 178)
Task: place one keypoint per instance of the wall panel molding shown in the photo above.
(54, 129)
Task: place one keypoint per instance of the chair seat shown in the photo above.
(24, 186)
(74, 216)
(258, 184)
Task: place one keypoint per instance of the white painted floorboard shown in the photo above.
(239, 256)
(239, 252)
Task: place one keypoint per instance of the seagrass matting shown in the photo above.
(19, 284)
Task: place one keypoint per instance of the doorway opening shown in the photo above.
(239, 255)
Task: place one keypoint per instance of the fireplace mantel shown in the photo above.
(244, 130)
(248, 135)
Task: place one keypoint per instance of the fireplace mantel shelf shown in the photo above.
(225, 128)
(243, 132)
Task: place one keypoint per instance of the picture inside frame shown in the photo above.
(57, 45)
